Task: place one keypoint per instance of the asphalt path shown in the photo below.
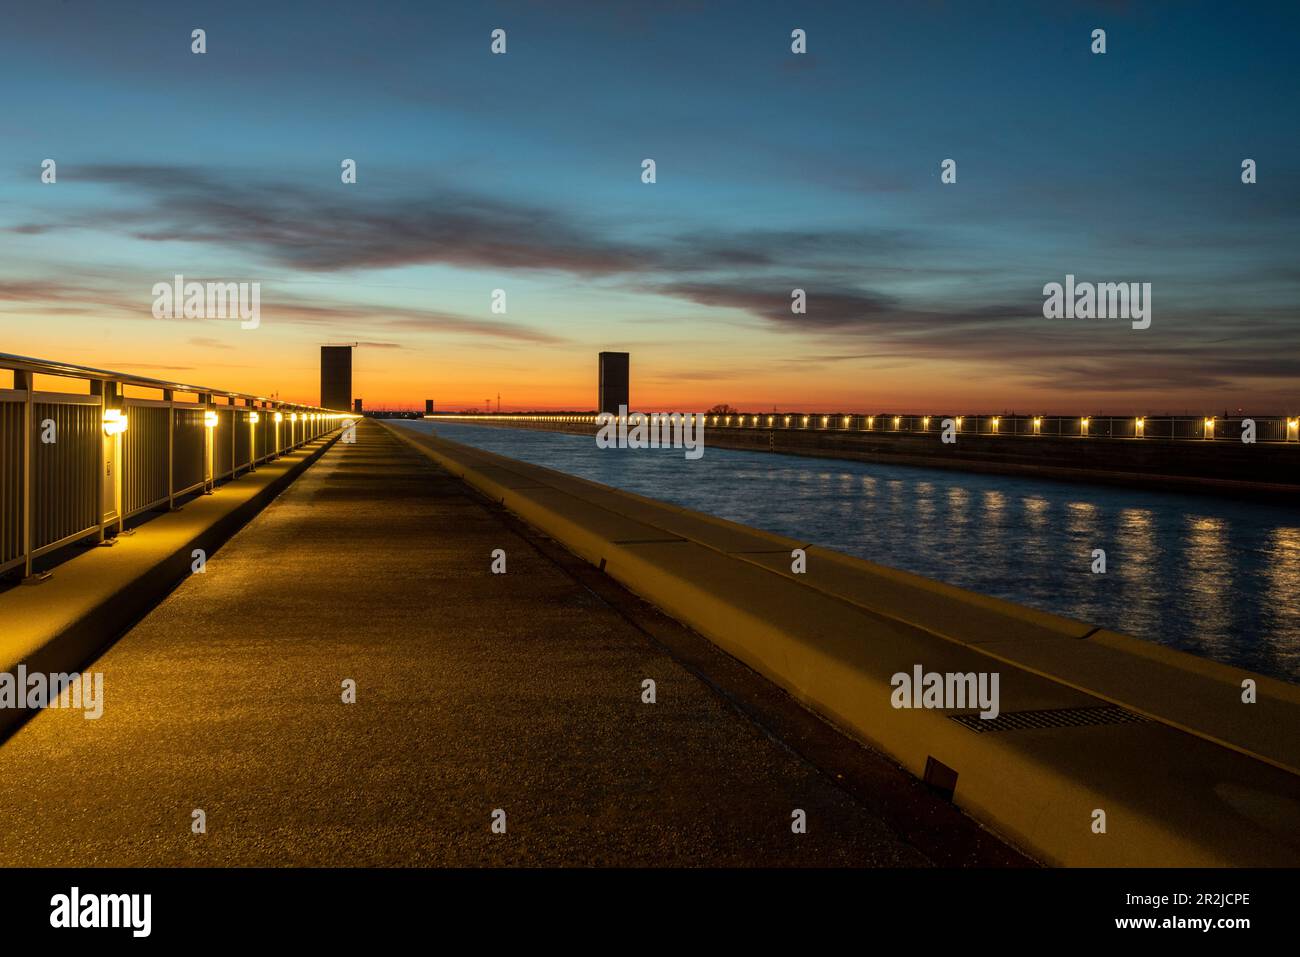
(475, 693)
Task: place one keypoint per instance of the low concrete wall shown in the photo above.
(1160, 741)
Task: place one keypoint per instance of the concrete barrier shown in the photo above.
(1156, 740)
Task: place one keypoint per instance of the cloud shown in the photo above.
(130, 297)
(864, 285)
(400, 319)
(349, 228)
(831, 309)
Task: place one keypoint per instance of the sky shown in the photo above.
(774, 171)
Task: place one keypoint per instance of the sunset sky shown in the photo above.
(775, 171)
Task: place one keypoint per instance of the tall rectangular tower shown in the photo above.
(613, 382)
(336, 378)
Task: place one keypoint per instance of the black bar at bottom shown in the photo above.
(656, 907)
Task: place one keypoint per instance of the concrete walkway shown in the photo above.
(475, 692)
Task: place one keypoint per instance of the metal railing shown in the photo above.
(75, 466)
(1268, 428)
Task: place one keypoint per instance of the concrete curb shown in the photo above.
(62, 625)
(1185, 773)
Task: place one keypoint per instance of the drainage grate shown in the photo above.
(1056, 718)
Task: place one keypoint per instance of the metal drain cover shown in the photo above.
(1054, 718)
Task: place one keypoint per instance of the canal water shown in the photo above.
(1215, 577)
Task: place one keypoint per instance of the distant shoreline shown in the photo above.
(1160, 465)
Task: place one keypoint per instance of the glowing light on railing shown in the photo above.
(959, 418)
(114, 421)
(897, 419)
(770, 418)
(210, 419)
(1083, 425)
(871, 421)
(825, 420)
(279, 416)
(925, 422)
(996, 420)
(805, 420)
(1209, 428)
(1140, 424)
(253, 417)
(293, 416)
(787, 420)
(847, 420)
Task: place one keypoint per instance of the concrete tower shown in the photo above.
(613, 382)
(336, 378)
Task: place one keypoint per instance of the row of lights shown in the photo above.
(1139, 423)
(1293, 425)
(115, 420)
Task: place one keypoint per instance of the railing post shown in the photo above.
(105, 390)
(209, 465)
(99, 387)
(252, 435)
(234, 437)
(116, 392)
(169, 398)
(23, 381)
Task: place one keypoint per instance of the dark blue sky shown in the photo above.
(775, 171)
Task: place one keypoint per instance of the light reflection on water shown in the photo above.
(1218, 578)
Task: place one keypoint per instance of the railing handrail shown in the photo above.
(70, 473)
(49, 367)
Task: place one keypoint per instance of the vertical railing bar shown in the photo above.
(100, 387)
(169, 398)
(25, 381)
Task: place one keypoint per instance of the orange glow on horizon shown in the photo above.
(566, 381)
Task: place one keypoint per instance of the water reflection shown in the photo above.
(1218, 578)
(1207, 578)
(1282, 568)
(1136, 568)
